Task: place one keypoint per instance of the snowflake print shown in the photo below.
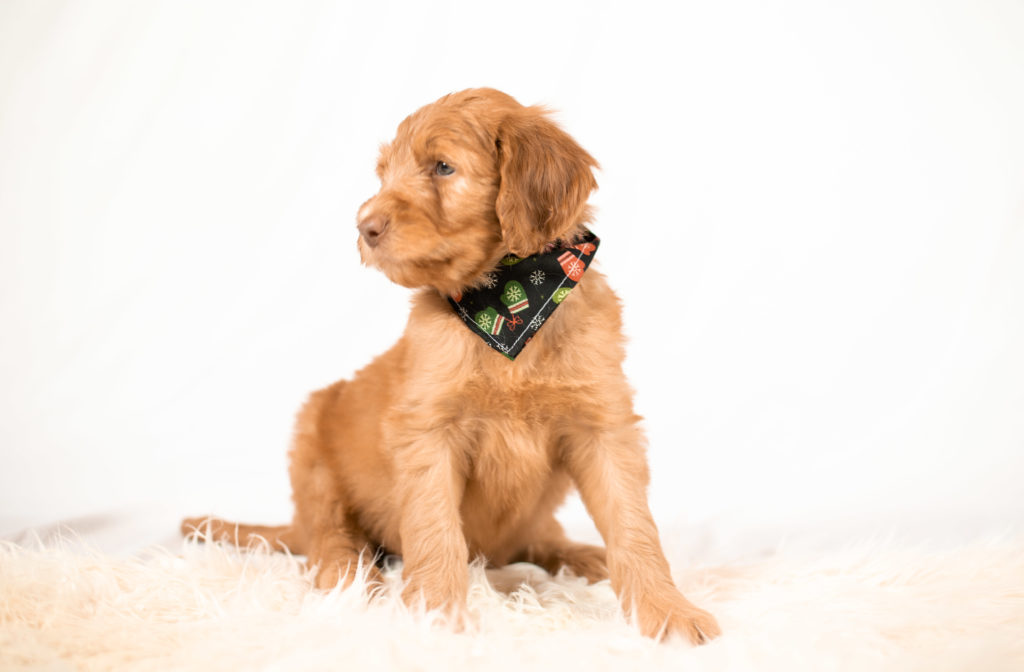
(490, 280)
(536, 322)
(537, 277)
(463, 313)
(573, 267)
(504, 347)
(513, 293)
(484, 320)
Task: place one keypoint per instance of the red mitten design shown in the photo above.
(572, 266)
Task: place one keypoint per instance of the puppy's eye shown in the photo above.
(443, 169)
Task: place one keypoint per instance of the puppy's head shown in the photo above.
(467, 180)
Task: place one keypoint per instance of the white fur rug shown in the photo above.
(868, 608)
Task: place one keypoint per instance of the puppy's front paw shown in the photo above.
(447, 596)
(666, 617)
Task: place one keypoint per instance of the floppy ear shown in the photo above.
(545, 181)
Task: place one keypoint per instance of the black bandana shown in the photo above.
(520, 294)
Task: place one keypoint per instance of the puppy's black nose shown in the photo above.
(372, 228)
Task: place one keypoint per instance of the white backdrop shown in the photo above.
(814, 213)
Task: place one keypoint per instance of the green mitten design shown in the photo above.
(560, 294)
(489, 321)
(514, 297)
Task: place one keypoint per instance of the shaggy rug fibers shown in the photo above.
(872, 607)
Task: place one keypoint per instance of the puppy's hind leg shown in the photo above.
(548, 547)
(336, 544)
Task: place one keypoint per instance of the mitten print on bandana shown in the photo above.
(585, 248)
(511, 302)
(572, 265)
(490, 321)
(514, 297)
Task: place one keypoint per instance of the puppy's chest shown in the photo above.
(510, 464)
(521, 405)
(509, 457)
(516, 430)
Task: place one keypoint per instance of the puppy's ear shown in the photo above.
(546, 179)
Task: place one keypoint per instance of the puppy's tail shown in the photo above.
(281, 538)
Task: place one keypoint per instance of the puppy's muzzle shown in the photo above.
(372, 228)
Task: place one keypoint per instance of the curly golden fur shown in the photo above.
(442, 449)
